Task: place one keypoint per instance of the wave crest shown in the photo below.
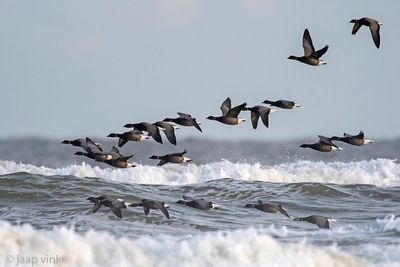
(238, 248)
(379, 172)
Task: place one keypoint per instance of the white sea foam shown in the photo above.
(380, 172)
(238, 248)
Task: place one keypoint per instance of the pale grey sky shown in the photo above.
(86, 68)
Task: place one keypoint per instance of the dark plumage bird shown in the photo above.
(134, 136)
(93, 151)
(76, 142)
(320, 221)
(257, 112)
(311, 57)
(356, 140)
(324, 145)
(282, 104)
(114, 204)
(90, 146)
(168, 129)
(374, 27)
(79, 142)
(151, 129)
(185, 120)
(172, 158)
(268, 207)
(121, 162)
(148, 204)
(229, 115)
(200, 204)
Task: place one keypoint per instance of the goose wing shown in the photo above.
(226, 106)
(307, 43)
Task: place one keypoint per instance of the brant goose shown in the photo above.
(282, 104)
(114, 204)
(148, 204)
(268, 207)
(311, 57)
(200, 204)
(259, 111)
(185, 120)
(151, 129)
(320, 221)
(324, 145)
(134, 135)
(373, 25)
(229, 115)
(356, 140)
(172, 158)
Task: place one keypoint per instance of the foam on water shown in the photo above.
(243, 248)
(380, 172)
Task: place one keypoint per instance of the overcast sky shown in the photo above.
(86, 68)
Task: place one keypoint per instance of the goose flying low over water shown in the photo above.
(168, 129)
(114, 204)
(200, 204)
(321, 221)
(121, 162)
(374, 27)
(148, 204)
(97, 156)
(185, 120)
(133, 135)
(79, 142)
(229, 115)
(268, 207)
(257, 112)
(172, 158)
(324, 145)
(356, 140)
(94, 151)
(151, 129)
(311, 57)
(282, 104)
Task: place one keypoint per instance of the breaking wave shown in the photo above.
(243, 248)
(379, 172)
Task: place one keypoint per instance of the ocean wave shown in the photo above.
(379, 172)
(65, 247)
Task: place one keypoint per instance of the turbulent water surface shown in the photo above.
(44, 211)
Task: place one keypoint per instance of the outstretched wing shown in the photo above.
(169, 131)
(361, 135)
(96, 206)
(197, 125)
(374, 28)
(122, 142)
(254, 119)
(154, 132)
(234, 112)
(356, 27)
(326, 140)
(320, 52)
(164, 210)
(307, 43)
(162, 162)
(146, 209)
(226, 106)
(265, 116)
(184, 115)
(117, 212)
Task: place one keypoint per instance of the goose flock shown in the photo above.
(230, 115)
